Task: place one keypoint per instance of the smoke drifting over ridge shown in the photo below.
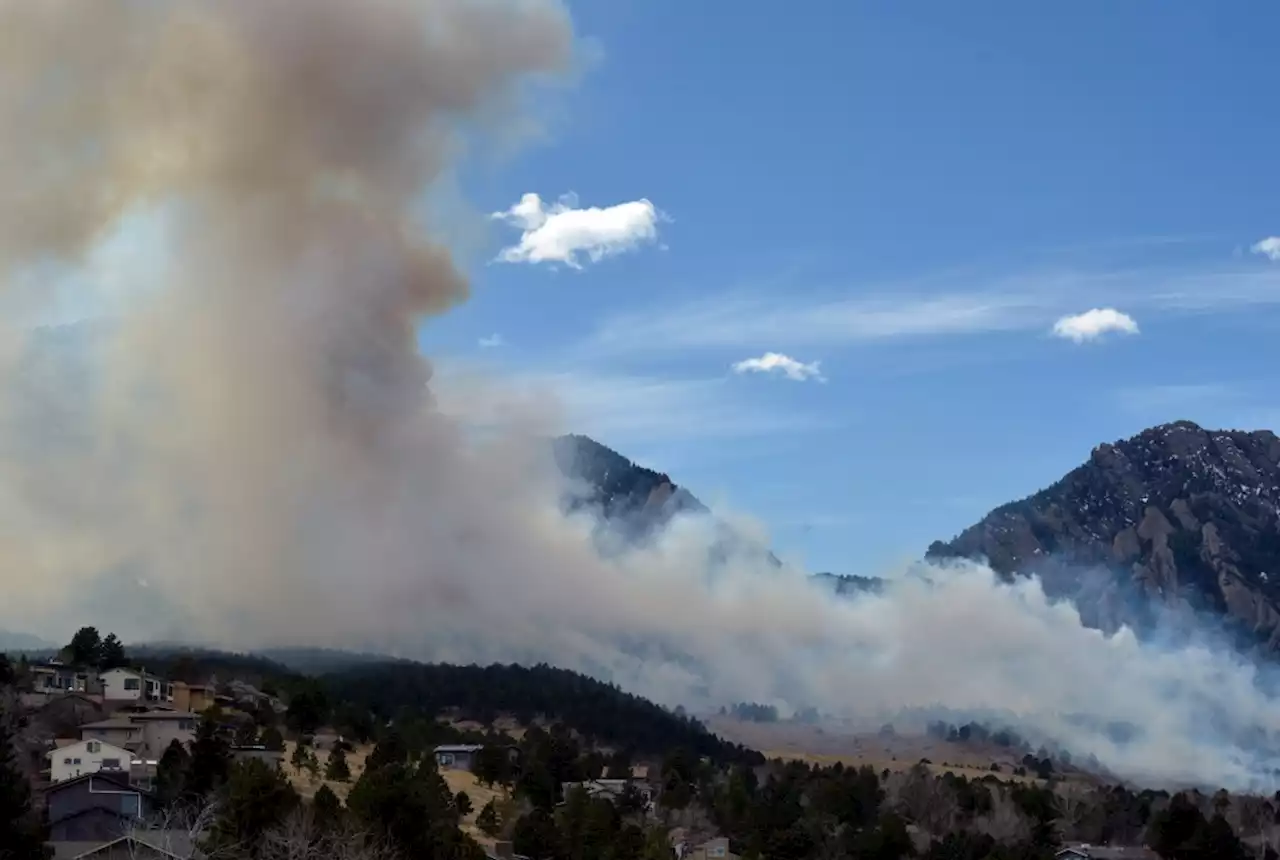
(252, 434)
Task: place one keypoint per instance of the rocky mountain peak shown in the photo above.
(1177, 514)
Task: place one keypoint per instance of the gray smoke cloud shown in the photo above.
(244, 449)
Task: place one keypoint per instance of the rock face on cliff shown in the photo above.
(1177, 517)
(627, 495)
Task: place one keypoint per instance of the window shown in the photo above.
(444, 758)
(718, 851)
(93, 746)
(187, 725)
(132, 684)
(66, 761)
(75, 761)
(111, 764)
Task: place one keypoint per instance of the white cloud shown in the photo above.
(776, 362)
(562, 233)
(1268, 247)
(1092, 324)
(493, 341)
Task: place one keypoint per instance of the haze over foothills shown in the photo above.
(854, 276)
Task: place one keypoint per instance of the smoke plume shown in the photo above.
(242, 446)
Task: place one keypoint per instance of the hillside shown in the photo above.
(596, 710)
(1175, 516)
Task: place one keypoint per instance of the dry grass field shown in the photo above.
(307, 785)
(457, 780)
(897, 752)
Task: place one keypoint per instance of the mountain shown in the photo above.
(637, 502)
(624, 492)
(1176, 516)
(13, 641)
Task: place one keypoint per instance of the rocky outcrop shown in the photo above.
(1176, 518)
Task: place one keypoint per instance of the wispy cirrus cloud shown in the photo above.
(492, 341)
(563, 233)
(954, 307)
(620, 407)
(741, 322)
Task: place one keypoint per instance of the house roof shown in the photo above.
(113, 723)
(60, 750)
(170, 843)
(116, 777)
(164, 715)
(459, 748)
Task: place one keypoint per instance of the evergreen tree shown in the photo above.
(22, 833)
(413, 807)
(172, 774)
(537, 837)
(255, 799)
(85, 648)
(337, 768)
(462, 802)
(272, 739)
(8, 675)
(326, 808)
(210, 759)
(391, 749)
(487, 820)
(300, 754)
(111, 654)
(308, 708)
(492, 765)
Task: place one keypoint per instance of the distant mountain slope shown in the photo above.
(623, 491)
(1177, 515)
(595, 709)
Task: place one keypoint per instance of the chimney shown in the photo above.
(502, 850)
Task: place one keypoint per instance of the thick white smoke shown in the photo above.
(245, 450)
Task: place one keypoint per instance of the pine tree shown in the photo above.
(172, 773)
(255, 799)
(210, 759)
(487, 820)
(22, 834)
(272, 739)
(326, 808)
(111, 654)
(337, 769)
(85, 648)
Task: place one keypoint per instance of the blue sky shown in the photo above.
(910, 194)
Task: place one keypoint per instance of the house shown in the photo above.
(611, 789)
(712, 849)
(84, 757)
(161, 728)
(120, 685)
(192, 697)
(95, 807)
(148, 732)
(117, 731)
(55, 677)
(136, 845)
(503, 850)
(260, 752)
(1085, 851)
(457, 756)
